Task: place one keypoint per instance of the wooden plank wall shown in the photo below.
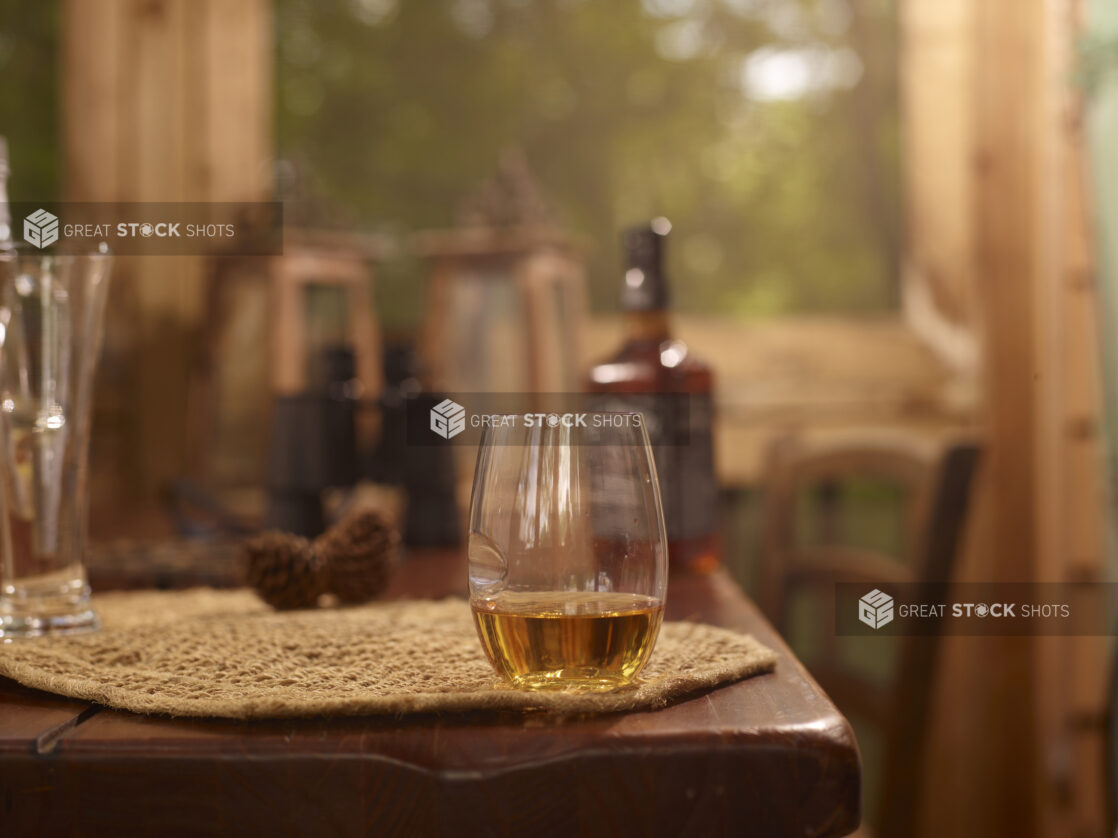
(163, 100)
(999, 235)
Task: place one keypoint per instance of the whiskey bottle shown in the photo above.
(656, 374)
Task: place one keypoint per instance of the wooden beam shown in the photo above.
(1038, 512)
(990, 710)
(164, 101)
(1070, 672)
(939, 297)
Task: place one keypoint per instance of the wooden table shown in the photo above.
(769, 756)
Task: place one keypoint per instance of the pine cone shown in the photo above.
(360, 553)
(285, 570)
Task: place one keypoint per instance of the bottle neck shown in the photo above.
(647, 325)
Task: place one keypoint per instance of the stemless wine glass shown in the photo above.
(567, 549)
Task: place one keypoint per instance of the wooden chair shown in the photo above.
(936, 483)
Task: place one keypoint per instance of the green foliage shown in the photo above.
(29, 106)
(626, 110)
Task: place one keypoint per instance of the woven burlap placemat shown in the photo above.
(224, 654)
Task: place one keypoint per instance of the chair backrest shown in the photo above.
(935, 480)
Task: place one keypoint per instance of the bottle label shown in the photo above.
(680, 428)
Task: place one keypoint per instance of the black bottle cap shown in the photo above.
(645, 285)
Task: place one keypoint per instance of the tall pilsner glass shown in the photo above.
(51, 311)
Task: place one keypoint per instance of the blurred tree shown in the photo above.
(29, 106)
(765, 129)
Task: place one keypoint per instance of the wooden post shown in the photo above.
(163, 100)
(1071, 672)
(999, 246)
(939, 293)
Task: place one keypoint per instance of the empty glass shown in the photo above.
(51, 309)
(567, 549)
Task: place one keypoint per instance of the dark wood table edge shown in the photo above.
(832, 738)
